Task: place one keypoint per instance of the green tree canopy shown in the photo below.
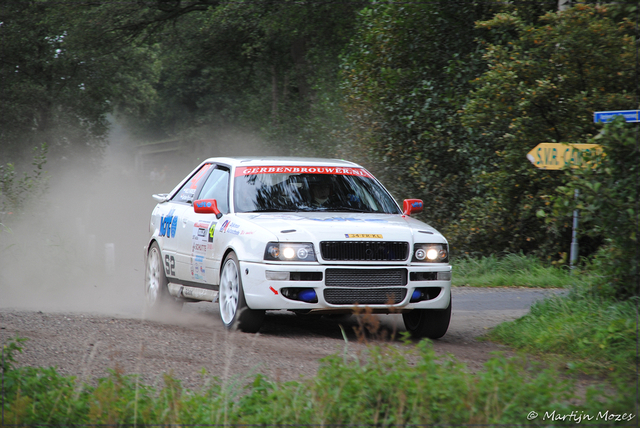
(267, 65)
(406, 76)
(542, 86)
(58, 83)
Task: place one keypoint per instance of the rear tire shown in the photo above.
(156, 290)
(431, 323)
(234, 312)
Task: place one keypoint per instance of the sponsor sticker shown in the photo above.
(363, 235)
(251, 170)
(230, 227)
(169, 225)
(199, 242)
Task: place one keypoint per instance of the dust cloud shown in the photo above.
(80, 246)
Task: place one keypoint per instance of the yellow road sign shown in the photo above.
(557, 155)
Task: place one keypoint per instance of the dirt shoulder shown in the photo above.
(87, 345)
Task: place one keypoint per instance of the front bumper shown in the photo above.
(389, 288)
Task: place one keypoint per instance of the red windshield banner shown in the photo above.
(333, 170)
(196, 178)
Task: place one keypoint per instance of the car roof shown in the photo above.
(280, 161)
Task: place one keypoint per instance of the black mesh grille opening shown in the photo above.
(305, 276)
(424, 276)
(361, 278)
(376, 296)
(364, 251)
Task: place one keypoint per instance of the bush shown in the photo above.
(386, 385)
(15, 192)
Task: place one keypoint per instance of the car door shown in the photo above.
(195, 246)
(180, 210)
(168, 216)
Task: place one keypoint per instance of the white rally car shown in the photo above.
(305, 235)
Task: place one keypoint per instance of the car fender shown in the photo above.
(242, 237)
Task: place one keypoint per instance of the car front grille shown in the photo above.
(365, 296)
(365, 278)
(364, 251)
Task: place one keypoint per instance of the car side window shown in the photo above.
(188, 190)
(217, 187)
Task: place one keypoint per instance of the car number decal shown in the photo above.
(212, 231)
(363, 235)
(170, 265)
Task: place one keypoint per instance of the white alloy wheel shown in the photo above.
(155, 276)
(229, 292)
(234, 312)
(156, 290)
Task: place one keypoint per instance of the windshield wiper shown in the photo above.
(271, 210)
(353, 210)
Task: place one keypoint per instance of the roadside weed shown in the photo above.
(399, 384)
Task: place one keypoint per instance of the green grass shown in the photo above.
(583, 330)
(593, 333)
(511, 270)
(387, 385)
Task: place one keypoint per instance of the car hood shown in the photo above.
(318, 226)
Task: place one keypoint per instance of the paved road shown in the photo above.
(497, 299)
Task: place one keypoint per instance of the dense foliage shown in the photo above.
(405, 76)
(59, 80)
(542, 86)
(607, 199)
(264, 66)
(14, 187)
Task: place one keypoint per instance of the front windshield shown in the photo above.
(292, 189)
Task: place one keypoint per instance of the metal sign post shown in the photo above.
(555, 156)
(573, 256)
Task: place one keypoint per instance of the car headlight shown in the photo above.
(290, 252)
(430, 253)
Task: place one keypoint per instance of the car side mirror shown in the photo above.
(412, 206)
(207, 206)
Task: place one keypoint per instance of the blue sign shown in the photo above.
(607, 116)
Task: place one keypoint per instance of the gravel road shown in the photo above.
(80, 305)
(87, 344)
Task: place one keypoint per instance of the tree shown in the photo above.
(266, 65)
(58, 82)
(406, 76)
(542, 86)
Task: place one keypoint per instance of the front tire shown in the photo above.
(430, 323)
(156, 290)
(234, 312)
